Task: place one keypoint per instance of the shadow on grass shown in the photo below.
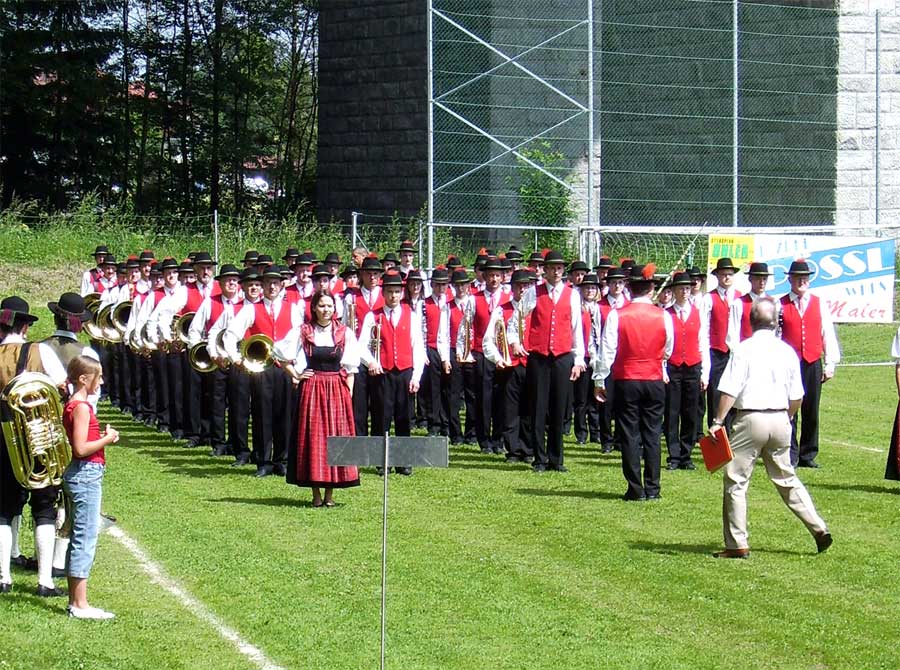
(265, 502)
(590, 495)
(862, 488)
(675, 548)
(479, 464)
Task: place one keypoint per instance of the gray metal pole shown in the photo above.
(877, 116)
(354, 233)
(430, 47)
(216, 234)
(384, 531)
(735, 136)
(590, 166)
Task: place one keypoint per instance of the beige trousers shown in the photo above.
(766, 434)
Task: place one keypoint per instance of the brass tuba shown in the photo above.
(257, 352)
(104, 320)
(32, 426)
(182, 326)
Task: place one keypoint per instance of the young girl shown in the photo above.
(82, 481)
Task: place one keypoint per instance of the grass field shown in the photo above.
(490, 565)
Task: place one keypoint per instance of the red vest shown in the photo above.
(642, 343)
(262, 323)
(718, 321)
(550, 331)
(194, 300)
(456, 317)
(432, 315)
(362, 307)
(158, 295)
(216, 307)
(746, 304)
(396, 341)
(687, 338)
(803, 333)
(483, 315)
(606, 308)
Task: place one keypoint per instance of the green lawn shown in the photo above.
(490, 565)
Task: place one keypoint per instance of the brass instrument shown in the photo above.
(351, 316)
(375, 340)
(257, 352)
(501, 342)
(199, 358)
(92, 305)
(120, 315)
(148, 345)
(520, 324)
(181, 326)
(468, 334)
(32, 426)
(111, 334)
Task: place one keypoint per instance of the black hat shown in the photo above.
(290, 253)
(320, 271)
(192, 255)
(681, 279)
(492, 263)
(121, 268)
(348, 271)
(332, 257)
(626, 263)
(304, 259)
(228, 270)
(146, 255)
(440, 276)
(554, 256)
(406, 245)
(286, 273)
(264, 259)
(14, 309)
(536, 257)
(272, 271)
(390, 256)
(132, 263)
(109, 260)
(250, 256)
(460, 277)
(604, 262)
(616, 273)
(641, 273)
(521, 277)
(186, 266)
(514, 254)
(505, 263)
(578, 265)
(415, 275)
(203, 257)
(799, 267)
(168, 263)
(759, 269)
(392, 278)
(590, 279)
(101, 249)
(70, 304)
(695, 272)
(155, 268)
(249, 274)
(372, 264)
(724, 264)
(453, 262)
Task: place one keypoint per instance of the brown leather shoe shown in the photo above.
(732, 553)
(823, 541)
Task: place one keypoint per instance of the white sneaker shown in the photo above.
(89, 613)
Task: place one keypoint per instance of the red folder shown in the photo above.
(716, 449)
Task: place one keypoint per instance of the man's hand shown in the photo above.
(414, 387)
(375, 369)
(518, 350)
(600, 393)
(501, 364)
(703, 386)
(576, 372)
(447, 367)
(826, 375)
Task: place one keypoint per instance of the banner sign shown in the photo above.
(853, 275)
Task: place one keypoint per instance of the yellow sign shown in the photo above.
(739, 248)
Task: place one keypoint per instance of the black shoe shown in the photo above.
(630, 497)
(162, 428)
(671, 466)
(56, 573)
(595, 439)
(5, 588)
(23, 561)
(528, 459)
(177, 434)
(456, 442)
(487, 450)
(406, 472)
(264, 471)
(580, 443)
(221, 450)
(823, 541)
(559, 468)
(606, 449)
(688, 466)
(537, 467)
(240, 460)
(653, 496)
(279, 470)
(49, 592)
(512, 458)
(808, 464)
(498, 449)
(379, 471)
(192, 443)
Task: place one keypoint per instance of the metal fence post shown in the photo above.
(216, 234)
(877, 115)
(735, 136)
(430, 206)
(354, 221)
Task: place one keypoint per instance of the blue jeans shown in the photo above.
(83, 484)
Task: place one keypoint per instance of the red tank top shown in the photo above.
(93, 430)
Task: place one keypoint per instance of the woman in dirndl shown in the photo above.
(892, 471)
(323, 356)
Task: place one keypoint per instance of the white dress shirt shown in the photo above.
(53, 367)
(609, 343)
(246, 317)
(762, 373)
(529, 301)
(415, 328)
(829, 335)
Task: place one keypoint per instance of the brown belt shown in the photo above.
(747, 411)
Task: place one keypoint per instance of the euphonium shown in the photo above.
(92, 305)
(120, 315)
(104, 321)
(199, 358)
(32, 428)
(501, 342)
(149, 346)
(257, 352)
(182, 326)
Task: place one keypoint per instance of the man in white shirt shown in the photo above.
(762, 383)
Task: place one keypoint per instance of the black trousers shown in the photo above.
(487, 419)
(470, 384)
(362, 402)
(718, 361)
(639, 409)
(607, 413)
(587, 410)
(433, 386)
(239, 402)
(517, 425)
(148, 387)
(191, 385)
(272, 415)
(452, 399)
(13, 497)
(549, 388)
(175, 372)
(111, 376)
(133, 362)
(682, 396)
(103, 355)
(805, 450)
(214, 400)
(392, 400)
(126, 400)
(161, 383)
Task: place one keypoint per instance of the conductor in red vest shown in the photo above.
(555, 358)
(806, 325)
(636, 342)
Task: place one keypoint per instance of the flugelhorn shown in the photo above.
(501, 342)
(257, 352)
(32, 426)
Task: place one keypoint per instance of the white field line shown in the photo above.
(855, 446)
(197, 608)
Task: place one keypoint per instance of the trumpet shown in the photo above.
(468, 333)
(351, 316)
(257, 352)
(501, 341)
(375, 341)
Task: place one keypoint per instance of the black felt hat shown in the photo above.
(203, 257)
(604, 262)
(304, 259)
(264, 259)
(576, 266)
(320, 271)
(759, 269)
(616, 273)
(440, 276)
(168, 263)
(13, 309)
(332, 257)
(292, 252)
(406, 245)
(724, 264)
(228, 270)
(249, 274)
(460, 277)
(101, 249)
(681, 279)
(146, 255)
(800, 267)
(372, 264)
(391, 278)
(521, 277)
(554, 256)
(348, 271)
(70, 305)
(250, 256)
(590, 279)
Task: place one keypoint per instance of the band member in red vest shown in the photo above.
(688, 370)
(214, 385)
(555, 358)
(90, 279)
(517, 424)
(303, 287)
(414, 296)
(487, 398)
(739, 318)
(336, 283)
(407, 255)
(357, 304)
(272, 400)
(636, 342)
(392, 347)
(238, 386)
(434, 310)
(614, 298)
(461, 364)
(717, 306)
(807, 326)
(586, 409)
(321, 281)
